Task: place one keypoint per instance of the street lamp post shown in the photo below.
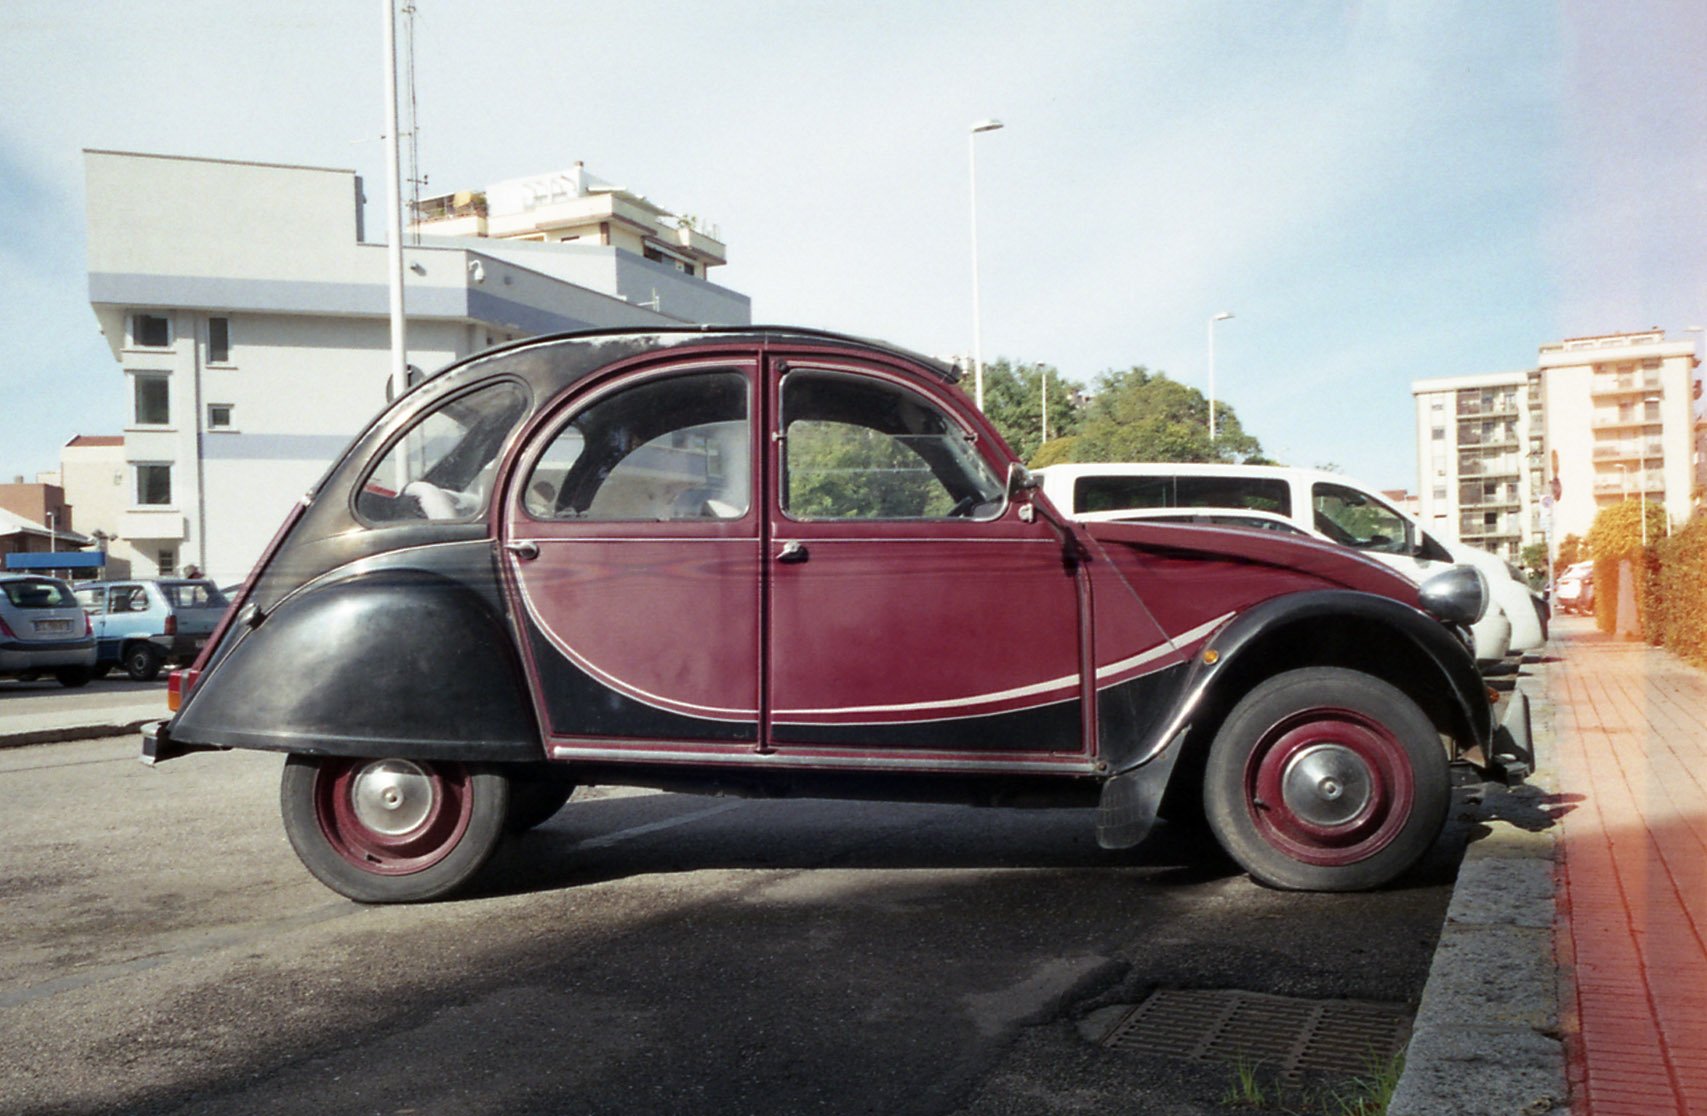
(1642, 472)
(1221, 317)
(977, 317)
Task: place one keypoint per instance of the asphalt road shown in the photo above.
(639, 953)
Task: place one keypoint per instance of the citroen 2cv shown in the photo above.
(784, 562)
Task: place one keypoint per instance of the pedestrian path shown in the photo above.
(1631, 751)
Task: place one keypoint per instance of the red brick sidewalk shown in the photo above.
(1630, 728)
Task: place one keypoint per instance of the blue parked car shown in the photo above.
(141, 625)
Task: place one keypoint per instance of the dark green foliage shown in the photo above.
(837, 470)
(1013, 400)
(1682, 591)
(1137, 415)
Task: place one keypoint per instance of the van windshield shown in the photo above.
(1357, 519)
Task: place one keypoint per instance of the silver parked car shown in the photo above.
(43, 630)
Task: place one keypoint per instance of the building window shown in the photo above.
(219, 416)
(219, 340)
(165, 560)
(154, 485)
(150, 331)
(153, 397)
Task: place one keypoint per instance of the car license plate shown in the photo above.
(53, 626)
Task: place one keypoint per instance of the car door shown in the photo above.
(632, 541)
(916, 615)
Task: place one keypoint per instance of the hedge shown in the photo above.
(1671, 591)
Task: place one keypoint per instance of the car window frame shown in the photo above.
(975, 443)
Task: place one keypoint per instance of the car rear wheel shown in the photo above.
(392, 830)
(73, 677)
(1326, 779)
(142, 662)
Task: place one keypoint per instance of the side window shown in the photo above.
(93, 600)
(443, 467)
(1352, 518)
(855, 448)
(672, 448)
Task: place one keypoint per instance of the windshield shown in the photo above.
(1356, 519)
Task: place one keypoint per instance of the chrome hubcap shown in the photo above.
(1326, 785)
(391, 797)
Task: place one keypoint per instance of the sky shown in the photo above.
(1379, 192)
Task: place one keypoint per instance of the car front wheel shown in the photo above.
(392, 830)
(1326, 779)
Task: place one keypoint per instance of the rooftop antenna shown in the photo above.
(416, 179)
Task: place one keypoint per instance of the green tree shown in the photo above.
(1137, 415)
(1013, 401)
(1533, 559)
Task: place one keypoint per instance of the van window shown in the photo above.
(1112, 493)
(1357, 519)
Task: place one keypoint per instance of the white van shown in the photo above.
(1327, 504)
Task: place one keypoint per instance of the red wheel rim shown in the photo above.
(392, 817)
(1329, 786)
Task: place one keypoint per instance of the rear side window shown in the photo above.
(38, 592)
(443, 467)
(1112, 493)
(673, 448)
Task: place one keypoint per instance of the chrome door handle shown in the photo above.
(793, 551)
(526, 549)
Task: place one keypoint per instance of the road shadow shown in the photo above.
(603, 840)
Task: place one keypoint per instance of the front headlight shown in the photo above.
(1458, 596)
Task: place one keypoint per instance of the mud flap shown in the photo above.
(1513, 747)
(1130, 800)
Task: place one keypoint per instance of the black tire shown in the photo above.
(73, 677)
(100, 670)
(142, 662)
(1326, 779)
(537, 792)
(392, 830)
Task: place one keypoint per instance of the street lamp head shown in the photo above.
(1222, 316)
(987, 126)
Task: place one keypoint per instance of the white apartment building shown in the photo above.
(1506, 459)
(250, 317)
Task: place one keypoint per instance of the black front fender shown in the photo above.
(1362, 631)
(393, 662)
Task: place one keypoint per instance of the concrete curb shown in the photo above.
(61, 733)
(1486, 1035)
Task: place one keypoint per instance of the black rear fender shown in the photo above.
(391, 661)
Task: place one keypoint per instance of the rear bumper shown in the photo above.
(16, 655)
(158, 745)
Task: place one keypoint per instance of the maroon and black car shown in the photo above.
(783, 562)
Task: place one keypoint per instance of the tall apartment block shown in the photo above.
(1507, 459)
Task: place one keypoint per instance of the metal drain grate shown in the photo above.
(1276, 1032)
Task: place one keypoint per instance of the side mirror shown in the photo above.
(1021, 481)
